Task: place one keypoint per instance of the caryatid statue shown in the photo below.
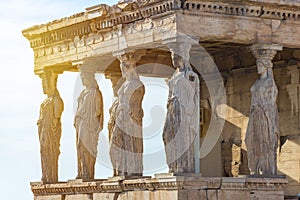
(117, 82)
(88, 123)
(126, 146)
(182, 121)
(49, 128)
(263, 128)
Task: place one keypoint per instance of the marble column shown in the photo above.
(182, 122)
(263, 129)
(88, 123)
(126, 148)
(49, 127)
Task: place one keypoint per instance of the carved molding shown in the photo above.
(250, 9)
(86, 27)
(62, 48)
(80, 24)
(166, 183)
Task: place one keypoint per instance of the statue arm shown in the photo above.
(39, 121)
(274, 92)
(40, 116)
(99, 108)
(58, 107)
(171, 88)
(195, 83)
(186, 95)
(79, 109)
(252, 104)
(136, 103)
(253, 98)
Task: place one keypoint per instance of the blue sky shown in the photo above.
(21, 96)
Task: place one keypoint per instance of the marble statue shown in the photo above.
(88, 123)
(49, 128)
(126, 148)
(181, 123)
(262, 132)
(117, 82)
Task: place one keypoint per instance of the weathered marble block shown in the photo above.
(164, 187)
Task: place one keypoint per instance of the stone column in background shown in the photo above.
(293, 88)
(49, 127)
(263, 128)
(126, 149)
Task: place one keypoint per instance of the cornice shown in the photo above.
(103, 18)
(82, 24)
(245, 8)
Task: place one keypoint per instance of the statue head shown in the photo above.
(177, 61)
(264, 66)
(129, 71)
(88, 79)
(49, 80)
(264, 54)
(128, 65)
(180, 53)
(116, 80)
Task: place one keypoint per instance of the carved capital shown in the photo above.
(181, 46)
(264, 54)
(128, 59)
(265, 51)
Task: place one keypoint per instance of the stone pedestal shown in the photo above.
(164, 187)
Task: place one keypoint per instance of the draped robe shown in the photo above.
(262, 131)
(49, 129)
(181, 122)
(88, 123)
